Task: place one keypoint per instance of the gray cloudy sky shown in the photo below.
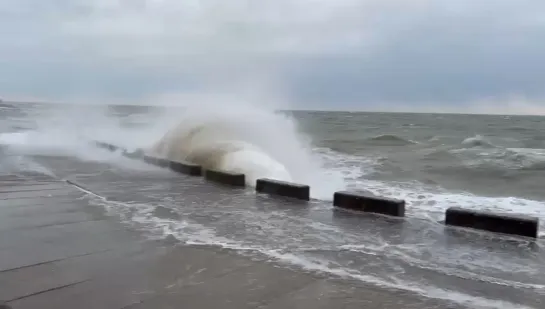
(406, 55)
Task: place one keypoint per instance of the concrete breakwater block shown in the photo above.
(104, 145)
(186, 168)
(162, 162)
(151, 160)
(283, 188)
(493, 222)
(137, 154)
(368, 203)
(226, 178)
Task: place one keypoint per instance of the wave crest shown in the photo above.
(209, 146)
(257, 143)
(525, 158)
(477, 141)
(392, 140)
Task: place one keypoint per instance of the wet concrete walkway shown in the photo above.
(58, 251)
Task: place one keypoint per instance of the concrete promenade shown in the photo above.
(58, 251)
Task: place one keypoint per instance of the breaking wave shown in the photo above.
(481, 151)
(477, 141)
(252, 140)
(256, 142)
(518, 158)
(390, 140)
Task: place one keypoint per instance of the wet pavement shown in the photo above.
(136, 236)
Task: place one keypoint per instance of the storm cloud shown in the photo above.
(345, 54)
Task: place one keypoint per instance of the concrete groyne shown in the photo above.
(455, 217)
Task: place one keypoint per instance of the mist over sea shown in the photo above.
(433, 161)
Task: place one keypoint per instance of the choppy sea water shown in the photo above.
(432, 161)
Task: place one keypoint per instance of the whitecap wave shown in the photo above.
(477, 141)
(256, 142)
(391, 140)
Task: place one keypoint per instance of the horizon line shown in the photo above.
(290, 109)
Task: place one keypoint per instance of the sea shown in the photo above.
(432, 161)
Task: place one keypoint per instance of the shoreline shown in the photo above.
(59, 251)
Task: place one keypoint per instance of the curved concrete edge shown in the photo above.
(186, 168)
(367, 203)
(138, 154)
(176, 166)
(232, 179)
(283, 188)
(226, 178)
(512, 224)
